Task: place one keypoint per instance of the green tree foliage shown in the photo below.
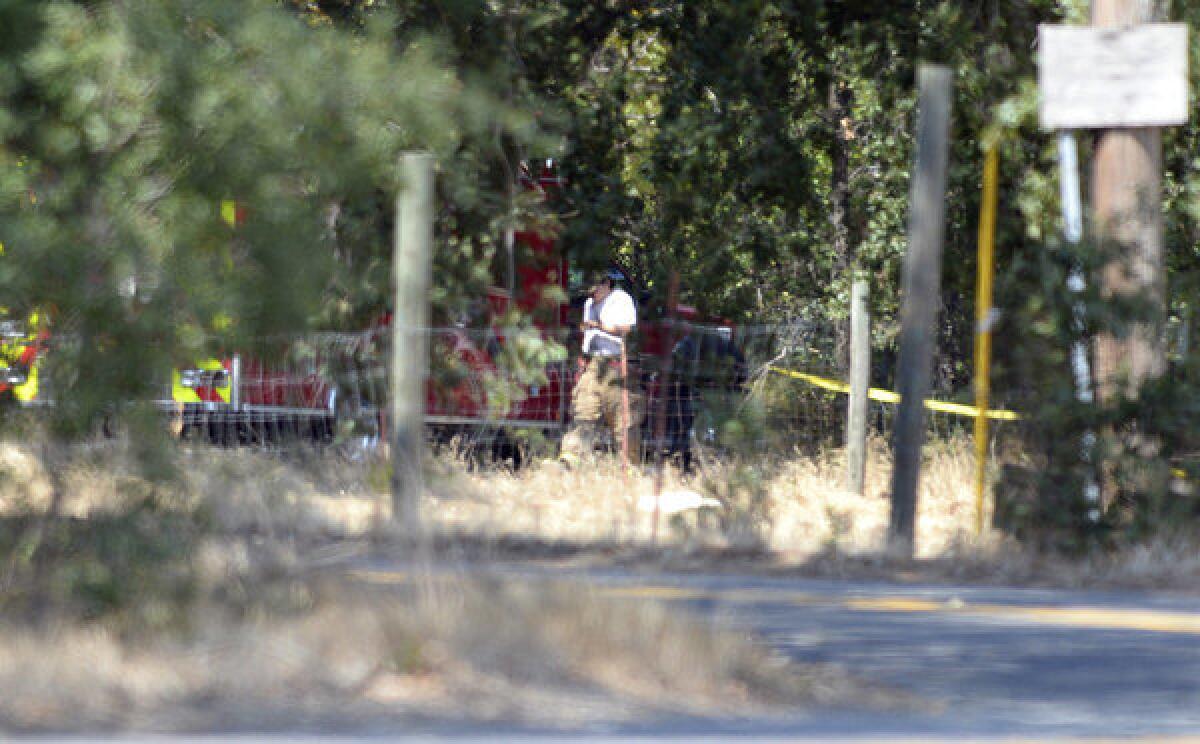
(762, 148)
(123, 126)
(700, 136)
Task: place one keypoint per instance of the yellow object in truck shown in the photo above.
(181, 393)
(14, 348)
(27, 391)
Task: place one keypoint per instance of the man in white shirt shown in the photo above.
(602, 398)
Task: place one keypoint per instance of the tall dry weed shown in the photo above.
(205, 601)
(796, 505)
(327, 654)
(796, 510)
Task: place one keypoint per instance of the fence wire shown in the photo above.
(506, 394)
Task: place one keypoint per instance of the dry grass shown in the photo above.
(457, 651)
(272, 634)
(796, 507)
(787, 514)
(265, 626)
(241, 490)
(796, 512)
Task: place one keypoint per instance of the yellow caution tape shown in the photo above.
(887, 396)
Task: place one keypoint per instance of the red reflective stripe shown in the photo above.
(208, 395)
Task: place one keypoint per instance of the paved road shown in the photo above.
(993, 662)
(1008, 662)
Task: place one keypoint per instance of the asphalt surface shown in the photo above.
(988, 663)
(992, 662)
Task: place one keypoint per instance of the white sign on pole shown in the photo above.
(1107, 77)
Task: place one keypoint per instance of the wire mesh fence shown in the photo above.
(798, 386)
(716, 388)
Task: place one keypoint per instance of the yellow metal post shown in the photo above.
(983, 331)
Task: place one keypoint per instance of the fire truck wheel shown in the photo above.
(283, 430)
(222, 431)
(269, 430)
(322, 430)
(507, 449)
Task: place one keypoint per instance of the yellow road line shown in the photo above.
(665, 593)
(740, 596)
(1100, 618)
(381, 576)
(1075, 617)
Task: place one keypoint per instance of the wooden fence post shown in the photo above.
(860, 382)
(666, 389)
(922, 289)
(411, 271)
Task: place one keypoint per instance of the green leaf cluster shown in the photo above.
(124, 127)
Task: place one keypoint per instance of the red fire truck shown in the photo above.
(332, 386)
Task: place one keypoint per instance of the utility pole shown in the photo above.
(411, 270)
(1125, 76)
(922, 295)
(1127, 202)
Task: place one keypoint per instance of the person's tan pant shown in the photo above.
(596, 408)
